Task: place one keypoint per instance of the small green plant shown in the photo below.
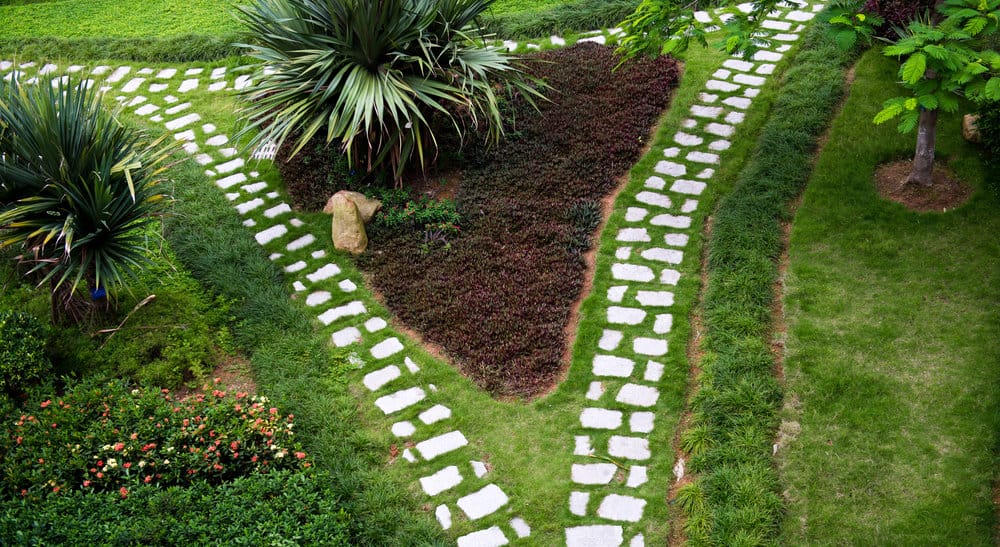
(416, 214)
(437, 236)
(22, 350)
(584, 217)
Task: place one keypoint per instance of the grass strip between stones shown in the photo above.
(736, 499)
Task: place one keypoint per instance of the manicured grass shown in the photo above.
(892, 403)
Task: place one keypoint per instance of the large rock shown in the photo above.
(969, 130)
(348, 225)
(367, 207)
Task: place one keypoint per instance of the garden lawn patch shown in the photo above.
(890, 427)
(499, 299)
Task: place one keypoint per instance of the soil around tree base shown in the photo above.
(946, 192)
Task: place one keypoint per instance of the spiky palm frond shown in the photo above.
(371, 73)
(76, 186)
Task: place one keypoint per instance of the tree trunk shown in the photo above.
(923, 159)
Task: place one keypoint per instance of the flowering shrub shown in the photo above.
(22, 350)
(112, 437)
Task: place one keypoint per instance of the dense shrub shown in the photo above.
(22, 349)
(280, 508)
(173, 49)
(113, 437)
(560, 18)
(897, 14)
(499, 299)
(989, 129)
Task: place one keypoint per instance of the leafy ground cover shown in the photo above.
(890, 427)
(498, 301)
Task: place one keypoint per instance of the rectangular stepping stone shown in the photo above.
(670, 256)
(635, 214)
(443, 515)
(244, 208)
(637, 476)
(716, 85)
(663, 323)
(594, 392)
(490, 537)
(394, 402)
(685, 139)
(217, 140)
(633, 234)
(610, 340)
(347, 286)
(379, 378)
(231, 165)
(157, 88)
(649, 346)
(670, 277)
(347, 310)
(623, 253)
(690, 187)
(616, 293)
(676, 240)
(735, 118)
(655, 298)
(301, 242)
(193, 71)
(720, 130)
(270, 234)
(182, 121)
(242, 82)
(641, 422)
(183, 135)
(520, 527)
(484, 502)
(752, 92)
(719, 146)
(435, 414)
(118, 74)
(636, 395)
(442, 444)
(785, 37)
(769, 56)
(132, 85)
(375, 324)
(578, 504)
(654, 371)
(203, 159)
(346, 337)
(633, 448)
(447, 478)
(478, 468)
(218, 73)
(411, 366)
(280, 209)
(670, 168)
(190, 147)
(703, 157)
(296, 267)
(177, 108)
(704, 18)
(707, 98)
(706, 111)
(671, 152)
(217, 86)
(597, 535)
(582, 447)
(799, 16)
(766, 69)
(625, 316)
(387, 348)
(671, 221)
(738, 102)
(771, 24)
(593, 473)
(146, 109)
(655, 183)
(747, 79)
(254, 188)
(621, 508)
(652, 198)
(325, 272)
(232, 180)
(600, 418)
(188, 85)
(137, 100)
(632, 272)
(166, 73)
(736, 64)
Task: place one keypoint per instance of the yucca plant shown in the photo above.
(76, 186)
(370, 75)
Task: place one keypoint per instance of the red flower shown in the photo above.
(127, 465)
(123, 492)
(55, 489)
(119, 447)
(19, 439)
(41, 460)
(46, 403)
(86, 484)
(300, 455)
(53, 425)
(100, 475)
(148, 479)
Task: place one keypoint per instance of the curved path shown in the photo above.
(620, 404)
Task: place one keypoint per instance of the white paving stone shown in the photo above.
(326, 272)
(610, 340)
(633, 234)
(445, 479)
(654, 372)
(735, 118)
(280, 209)
(670, 277)
(690, 187)
(771, 24)
(578, 503)
(655, 183)
(685, 139)
(203, 159)
(703, 157)
(271, 234)
(374, 381)
(671, 256)
(301, 242)
(146, 109)
(641, 422)
(649, 346)
(217, 86)
(600, 418)
(652, 198)
(719, 145)
(483, 502)
(394, 402)
(785, 37)
(170, 99)
(676, 240)
(663, 323)
(707, 98)
(737, 64)
(755, 81)
(183, 121)
(637, 395)
(623, 253)
(347, 310)
(242, 82)
(435, 414)
(632, 272)
(118, 74)
(410, 365)
(298, 286)
(595, 391)
(346, 337)
(721, 130)
(738, 102)
(298, 266)
(387, 348)
(597, 535)
(689, 124)
(347, 285)
(769, 56)
(655, 298)
(633, 448)
(490, 537)
(612, 365)
(616, 293)
(672, 221)
(671, 169)
(625, 316)
(706, 111)
(217, 140)
(166, 73)
(520, 527)
(766, 69)
(227, 152)
(317, 298)
(183, 135)
(636, 476)
(582, 446)
(621, 508)
(188, 85)
(671, 152)
(137, 100)
(218, 73)
(408, 455)
(229, 166)
(593, 473)
(635, 214)
(190, 147)
(751, 92)
(799, 16)
(557, 40)
(403, 429)
(716, 85)
(375, 324)
(132, 85)
(689, 206)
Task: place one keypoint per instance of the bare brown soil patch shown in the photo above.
(946, 193)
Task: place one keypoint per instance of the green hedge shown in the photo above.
(737, 500)
(174, 49)
(568, 17)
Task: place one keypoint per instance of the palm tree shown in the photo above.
(76, 187)
(370, 74)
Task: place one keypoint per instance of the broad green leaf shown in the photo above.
(914, 68)
(890, 110)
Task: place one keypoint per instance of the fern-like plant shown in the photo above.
(369, 75)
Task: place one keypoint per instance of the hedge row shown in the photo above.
(174, 49)
(560, 19)
(737, 499)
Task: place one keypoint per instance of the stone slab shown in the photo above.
(578, 503)
(641, 422)
(394, 402)
(490, 537)
(633, 235)
(435, 414)
(613, 366)
(521, 528)
(600, 418)
(610, 340)
(403, 429)
(690, 187)
(387, 348)
(621, 508)
(346, 337)
(443, 515)
(671, 256)
(653, 198)
(632, 272)
(637, 395)
(625, 316)
(654, 372)
(633, 448)
(655, 298)
(598, 535)
(593, 473)
(326, 272)
(445, 479)
(379, 378)
(672, 221)
(442, 444)
(347, 310)
(483, 502)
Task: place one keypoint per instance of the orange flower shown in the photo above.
(123, 491)
(46, 403)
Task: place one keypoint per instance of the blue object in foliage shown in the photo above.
(98, 293)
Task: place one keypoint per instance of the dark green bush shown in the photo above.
(561, 18)
(22, 350)
(989, 128)
(281, 508)
(113, 437)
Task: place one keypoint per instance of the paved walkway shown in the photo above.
(620, 412)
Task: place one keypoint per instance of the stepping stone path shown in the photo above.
(603, 508)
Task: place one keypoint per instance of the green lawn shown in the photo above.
(891, 403)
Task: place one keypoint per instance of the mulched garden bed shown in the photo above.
(499, 299)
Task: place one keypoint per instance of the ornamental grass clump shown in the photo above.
(379, 78)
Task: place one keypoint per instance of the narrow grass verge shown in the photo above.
(736, 499)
